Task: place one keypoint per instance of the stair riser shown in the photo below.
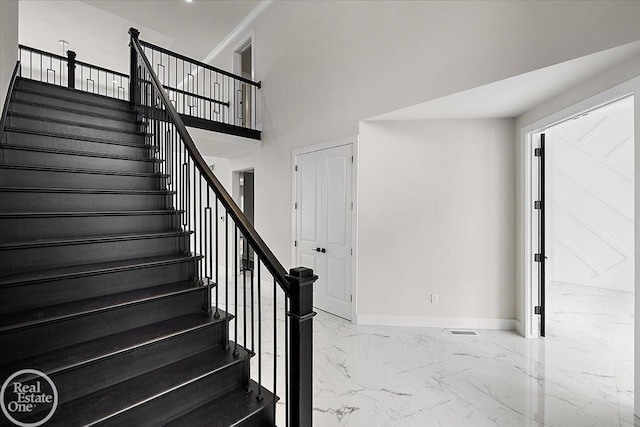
(37, 340)
(69, 202)
(15, 261)
(41, 294)
(34, 158)
(53, 179)
(162, 409)
(43, 141)
(71, 129)
(73, 384)
(43, 111)
(69, 93)
(16, 229)
(260, 419)
(57, 102)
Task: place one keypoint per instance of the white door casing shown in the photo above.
(324, 224)
(528, 179)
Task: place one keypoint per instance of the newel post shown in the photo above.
(134, 96)
(71, 69)
(301, 314)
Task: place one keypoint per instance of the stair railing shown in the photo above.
(67, 71)
(207, 209)
(5, 108)
(201, 91)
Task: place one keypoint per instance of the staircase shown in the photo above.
(98, 286)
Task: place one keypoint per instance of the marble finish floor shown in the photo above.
(580, 375)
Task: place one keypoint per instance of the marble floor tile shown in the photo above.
(580, 375)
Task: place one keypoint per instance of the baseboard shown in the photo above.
(518, 327)
(437, 322)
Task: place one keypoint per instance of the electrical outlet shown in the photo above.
(434, 298)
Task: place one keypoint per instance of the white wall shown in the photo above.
(327, 65)
(589, 198)
(436, 216)
(8, 44)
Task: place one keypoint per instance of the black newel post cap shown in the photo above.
(71, 54)
(303, 274)
(134, 33)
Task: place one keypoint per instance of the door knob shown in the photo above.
(317, 249)
(324, 250)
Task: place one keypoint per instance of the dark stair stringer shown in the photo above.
(97, 286)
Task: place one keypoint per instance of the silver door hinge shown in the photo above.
(296, 168)
(295, 243)
(537, 204)
(351, 159)
(537, 152)
(351, 205)
(537, 309)
(537, 258)
(351, 298)
(351, 251)
(295, 206)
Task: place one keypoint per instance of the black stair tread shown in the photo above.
(73, 123)
(132, 119)
(105, 403)
(124, 105)
(84, 214)
(29, 318)
(111, 345)
(83, 170)
(89, 239)
(93, 269)
(79, 153)
(76, 137)
(83, 190)
(229, 410)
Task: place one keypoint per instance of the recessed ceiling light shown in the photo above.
(189, 1)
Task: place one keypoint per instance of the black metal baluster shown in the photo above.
(252, 314)
(200, 215)
(259, 396)
(235, 270)
(217, 315)
(244, 294)
(286, 359)
(275, 346)
(226, 269)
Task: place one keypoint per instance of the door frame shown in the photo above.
(236, 64)
(353, 141)
(528, 326)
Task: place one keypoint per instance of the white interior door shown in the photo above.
(324, 203)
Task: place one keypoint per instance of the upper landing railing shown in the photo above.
(36, 64)
(206, 97)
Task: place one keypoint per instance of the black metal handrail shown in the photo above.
(79, 75)
(5, 108)
(198, 194)
(205, 92)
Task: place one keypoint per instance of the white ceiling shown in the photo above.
(195, 28)
(514, 96)
(97, 29)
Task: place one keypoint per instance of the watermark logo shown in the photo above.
(28, 398)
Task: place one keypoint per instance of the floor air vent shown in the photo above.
(454, 332)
